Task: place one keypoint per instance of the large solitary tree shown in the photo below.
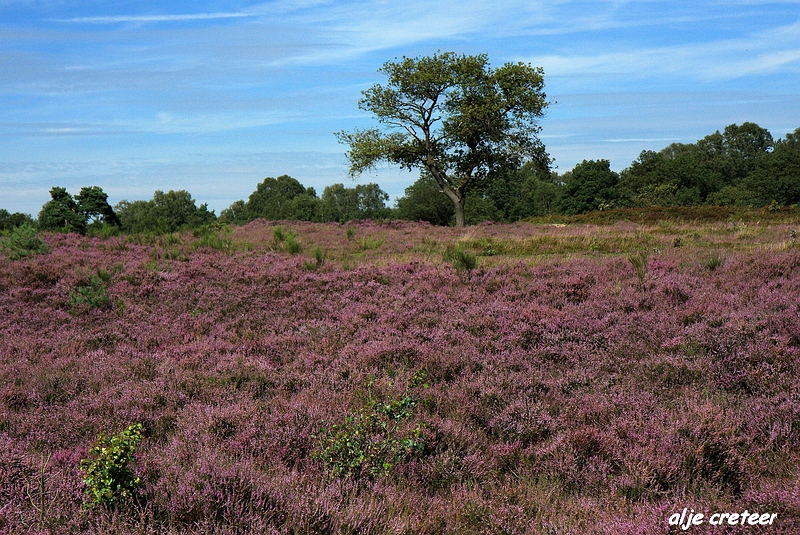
(454, 117)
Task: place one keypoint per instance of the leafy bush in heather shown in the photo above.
(563, 394)
(107, 474)
(371, 441)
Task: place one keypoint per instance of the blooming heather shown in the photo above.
(565, 392)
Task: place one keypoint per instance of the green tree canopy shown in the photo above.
(9, 221)
(453, 116)
(709, 171)
(364, 201)
(777, 177)
(424, 201)
(93, 204)
(591, 185)
(166, 212)
(525, 192)
(281, 198)
(745, 146)
(61, 213)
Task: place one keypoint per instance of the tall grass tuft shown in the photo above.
(713, 263)
(639, 263)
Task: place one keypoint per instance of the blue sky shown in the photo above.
(213, 96)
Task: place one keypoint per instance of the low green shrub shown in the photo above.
(372, 440)
(214, 238)
(107, 473)
(292, 244)
(93, 294)
(286, 240)
(368, 243)
(713, 263)
(22, 242)
(319, 259)
(460, 258)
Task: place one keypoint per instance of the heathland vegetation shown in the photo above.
(300, 377)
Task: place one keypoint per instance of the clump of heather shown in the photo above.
(576, 379)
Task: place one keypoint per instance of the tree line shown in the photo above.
(741, 166)
(472, 132)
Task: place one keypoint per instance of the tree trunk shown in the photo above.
(459, 206)
(458, 196)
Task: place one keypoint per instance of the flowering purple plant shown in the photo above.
(565, 391)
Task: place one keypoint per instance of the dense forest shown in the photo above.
(741, 166)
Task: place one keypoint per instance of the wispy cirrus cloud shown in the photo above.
(761, 53)
(155, 18)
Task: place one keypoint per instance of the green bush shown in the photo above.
(319, 259)
(215, 237)
(107, 473)
(22, 242)
(93, 294)
(372, 440)
(460, 258)
(292, 244)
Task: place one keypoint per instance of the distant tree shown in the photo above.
(135, 216)
(338, 203)
(454, 117)
(92, 202)
(236, 213)
(176, 210)
(364, 201)
(281, 198)
(9, 221)
(710, 171)
(480, 207)
(304, 207)
(777, 176)
(525, 192)
(424, 201)
(746, 146)
(166, 212)
(731, 196)
(61, 213)
(679, 174)
(591, 185)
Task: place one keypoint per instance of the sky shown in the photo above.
(213, 96)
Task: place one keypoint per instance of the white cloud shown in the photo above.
(725, 59)
(155, 18)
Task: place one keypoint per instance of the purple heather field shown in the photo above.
(580, 379)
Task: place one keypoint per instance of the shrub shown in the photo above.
(367, 243)
(292, 244)
(371, 441)
(460, 258)
(211, 237)
(286, 239)
(319, 259)
(23, 242)
(278, 234)
(93, 294)
(108, 477)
